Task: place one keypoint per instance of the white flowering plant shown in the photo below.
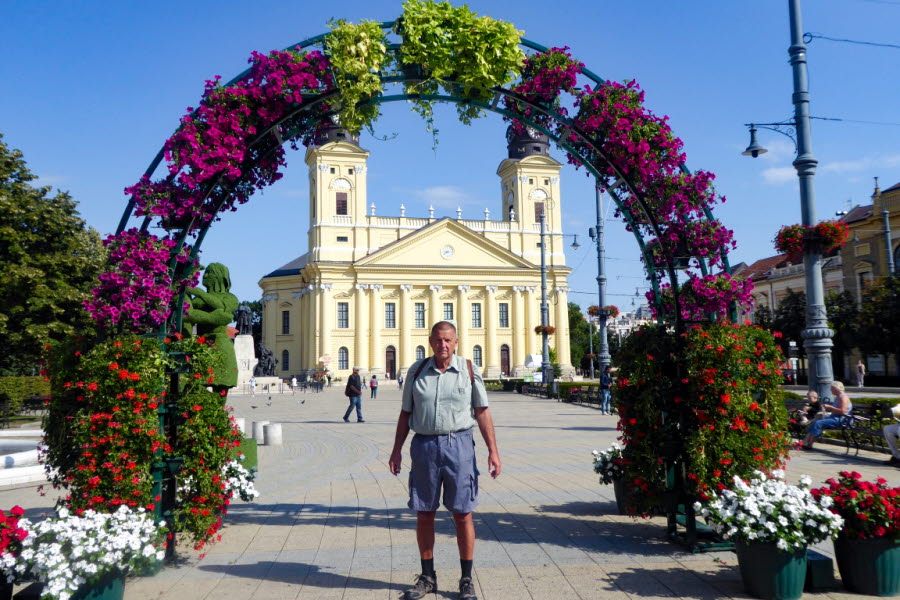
(767, 509)
(70, 550)
(608, 463)
(239, 480)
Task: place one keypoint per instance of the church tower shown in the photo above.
(337, 197)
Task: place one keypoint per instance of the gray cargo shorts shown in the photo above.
(446, 461)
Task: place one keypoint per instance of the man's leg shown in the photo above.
(465, 540)
(425, 534)
(359, 416)
(890, 436)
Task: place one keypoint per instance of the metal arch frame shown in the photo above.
(621, 186)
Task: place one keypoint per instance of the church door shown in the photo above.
(390, 363)
(504, 359)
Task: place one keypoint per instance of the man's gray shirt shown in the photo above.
(442, 403)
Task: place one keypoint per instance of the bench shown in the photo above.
(796, 409)
(863, 427)
(35, 404)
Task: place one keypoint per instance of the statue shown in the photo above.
(212, 310)
(265, 367)
(243, 318)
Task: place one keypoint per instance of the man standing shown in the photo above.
(354, 392)
(443, 399)
(605, 385)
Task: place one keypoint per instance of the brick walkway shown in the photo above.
(332, 523)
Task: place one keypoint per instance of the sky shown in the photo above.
(89, 92)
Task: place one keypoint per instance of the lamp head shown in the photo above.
(754, 149)
(575, 244)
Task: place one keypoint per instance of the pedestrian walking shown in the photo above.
(444, 400)
(253, 386)
(293, 385)
(860, 373)
(353, 391)
(373, 387)
(400, 381)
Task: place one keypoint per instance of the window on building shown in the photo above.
(341, 203)
(350, 171)
(546, 182)
(476, 356)
(448, 311)
(343, 358)
(343, 315)
(390, 315)
(530, 181)
(420, 352)
(285, 321)
(343, 238)
(420, 314)
(285, 360)
(332, 170)
(865, 280)
(504, 314)
(476, 314)
(538, 211)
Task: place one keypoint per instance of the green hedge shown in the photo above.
(15, 390)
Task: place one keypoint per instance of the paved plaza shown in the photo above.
(332, 523)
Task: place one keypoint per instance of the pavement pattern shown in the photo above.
(332, 523)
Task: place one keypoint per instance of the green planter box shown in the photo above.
(248, 449)
(769, 573)
(869, 566)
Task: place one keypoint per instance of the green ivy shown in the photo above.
(15, 390)
(357, 53)
(458, 51)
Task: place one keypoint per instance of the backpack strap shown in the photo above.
(419, 370)
(471, 373)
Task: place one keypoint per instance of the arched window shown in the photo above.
(343, 358)
(476, 356)
(285, 360)
(420, 352)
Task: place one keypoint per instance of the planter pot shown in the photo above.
(622, 496)
(869, 566)
(108, 588)
(770, 573)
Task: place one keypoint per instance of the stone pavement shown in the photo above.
(332, 523)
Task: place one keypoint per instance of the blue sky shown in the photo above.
(90, 91)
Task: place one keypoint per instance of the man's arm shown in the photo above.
(399, 439)
(486, 425)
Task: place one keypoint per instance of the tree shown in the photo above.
(50, 262)
(879, 328)
(578, 336)
(790, 320)
(762, 316)
(843, 318)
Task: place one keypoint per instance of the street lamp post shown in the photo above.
(596, 234)
(817, 335)
(546, 367)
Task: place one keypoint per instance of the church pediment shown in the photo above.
(445, 244)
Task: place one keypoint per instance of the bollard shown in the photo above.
(272, 434)
(241, 423)
(258, 430)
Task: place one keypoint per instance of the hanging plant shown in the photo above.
(825, 237)
(357, 52)
(545, 76)
(612, 311)
(458, 51)
(593, 310)
(701, 297)
(542, 329)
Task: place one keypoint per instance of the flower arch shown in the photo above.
(232, 145)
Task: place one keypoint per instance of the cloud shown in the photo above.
(444, 196)
(779, 175)
(779, 150)
(862, 164)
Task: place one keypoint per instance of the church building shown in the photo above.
(369, 288)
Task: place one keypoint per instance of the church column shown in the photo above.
(360, 356)
(325, 323)
(435, 313)
(562, 328)
(405, 355)
(491, 352)
(518, 350)
(376, 324)
(463, 321)
(309, 320)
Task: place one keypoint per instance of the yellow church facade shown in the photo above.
(369, 287)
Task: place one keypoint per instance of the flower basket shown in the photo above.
(869, 566)
(868, 547)
(542, 329)
(770, 573)
(823, 237)
(623, 496)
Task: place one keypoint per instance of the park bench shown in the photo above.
(35, 404)
(863, 427)
(574, 396)
(796, 409)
